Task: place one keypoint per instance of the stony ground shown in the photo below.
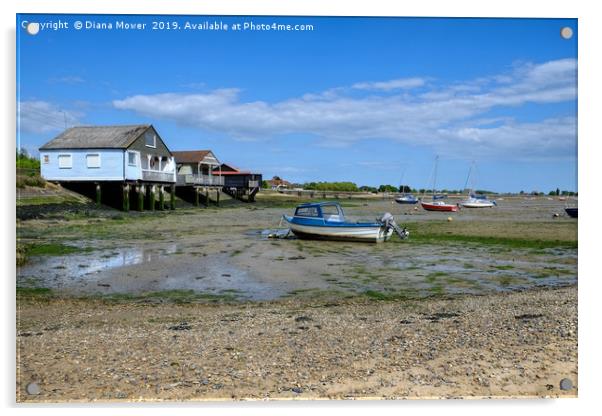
(499, 345)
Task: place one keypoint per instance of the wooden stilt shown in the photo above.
(217, 197)
(172, 197)
(140, 194)
(126, 197)
(161, 198)
(151, 197)
(206, 197)
(98, 195)
(196, 197)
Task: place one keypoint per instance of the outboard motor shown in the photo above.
(389, 222)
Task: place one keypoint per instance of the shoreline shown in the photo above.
(502, 345)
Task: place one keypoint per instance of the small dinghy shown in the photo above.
(326, 221)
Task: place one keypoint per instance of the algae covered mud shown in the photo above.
(222, 254)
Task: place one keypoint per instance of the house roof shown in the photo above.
(97, 137)
(226, 166)
(278, 182)
(235, 171)
(190, 156)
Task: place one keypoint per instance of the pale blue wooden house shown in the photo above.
(133, 157)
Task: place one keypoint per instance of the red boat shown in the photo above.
(438, 206)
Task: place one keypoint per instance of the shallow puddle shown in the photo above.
(257, 267)
(139, 270)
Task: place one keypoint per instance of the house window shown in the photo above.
(132, 159)
(150, 139)
(45, 159)
(93, 160)
(65, 162)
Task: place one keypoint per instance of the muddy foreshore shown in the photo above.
(195, 305)
(499, 345)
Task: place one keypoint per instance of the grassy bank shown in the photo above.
(510, 234)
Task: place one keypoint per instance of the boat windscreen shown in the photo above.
(333, 213)
(307, 212)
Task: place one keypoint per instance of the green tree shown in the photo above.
(365, 188)
(404, 189)
(387, 188)
(331, 186)
(24, 161)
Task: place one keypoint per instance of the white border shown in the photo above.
(590, 33)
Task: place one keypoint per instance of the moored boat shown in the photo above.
(406, 199)
(326, 221)
(438, 206)
(477, 202)
(437, 203)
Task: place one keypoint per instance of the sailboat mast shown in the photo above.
(468, 177)
(403, 172)
(435, 176)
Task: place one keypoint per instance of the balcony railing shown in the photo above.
(156, 176)
(207, 180)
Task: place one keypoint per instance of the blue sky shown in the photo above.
(358, 99)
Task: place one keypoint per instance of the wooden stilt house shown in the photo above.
(117, 165)
(196, 180)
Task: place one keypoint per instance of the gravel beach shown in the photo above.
(501, 345)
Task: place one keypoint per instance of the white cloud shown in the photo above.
(447, 117)
(394, 84)
(44, 117)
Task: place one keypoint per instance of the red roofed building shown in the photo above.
(277, 183)
(237, 182)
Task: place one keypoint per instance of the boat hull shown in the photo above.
(477, 204)
(340, 232)
(571, 212)
(406, 201)
(439, 207)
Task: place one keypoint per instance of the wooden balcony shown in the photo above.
(202, 180)
(157, 176)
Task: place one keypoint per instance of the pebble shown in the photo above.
(33, 389)
(566, 384)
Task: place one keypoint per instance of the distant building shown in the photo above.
(277, 183)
